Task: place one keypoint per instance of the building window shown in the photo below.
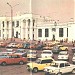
(7, 22)
(33, 29)
(17, 23)
(33, 22)
(13, 23)
(67, 32)
(33, 36)
(60, 32)
(39, 32)
(28, 22)
(46, 33)
(3, 23)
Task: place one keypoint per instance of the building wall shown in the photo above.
(28, 27)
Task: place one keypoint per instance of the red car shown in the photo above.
(13, 59)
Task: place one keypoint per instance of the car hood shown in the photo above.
(50, 68)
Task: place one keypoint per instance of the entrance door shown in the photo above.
(17, 34)
(53, 37)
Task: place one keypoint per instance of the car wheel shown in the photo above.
(3, 63)
(21, 62)
(73, 71)
(35, 70)
(59, 73)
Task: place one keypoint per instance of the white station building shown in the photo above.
(35, 27)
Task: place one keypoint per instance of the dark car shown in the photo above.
(26, 45)
(56, 49)
(73, 49)
(39, 47)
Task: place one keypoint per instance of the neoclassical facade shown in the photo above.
(35, 27)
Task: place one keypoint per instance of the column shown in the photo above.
(26, 30)
(10, 30)
(5, 29)
(1, 30)
(31, 29)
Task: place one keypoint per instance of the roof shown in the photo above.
(60, 61)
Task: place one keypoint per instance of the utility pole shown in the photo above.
(12, 30)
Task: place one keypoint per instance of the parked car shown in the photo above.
(73, 59)
(63, 55)
(56, 49)
(11, 45)
(26, 45)
(13, 59)
(32, 54)
(39, 64)
(8, 51)
(19, 45)
(22, 52)
(59, 68)
(63, 48)
(39, 47)
(46, 53)
(73, 49)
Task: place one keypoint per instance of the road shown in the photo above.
(21, 69)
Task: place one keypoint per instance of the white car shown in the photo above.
(11, 45)
(22, 52)
(63, 55)
(59, 68)
(73, 59)
(8, 51)
(46, 53)
(32, 54)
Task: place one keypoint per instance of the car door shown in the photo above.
(68, 67)
(62, 68)
(45, 63)
(16, 59)
(65, 68)
(10, 59)
(41, 65)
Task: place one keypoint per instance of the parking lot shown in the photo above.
(21, 69)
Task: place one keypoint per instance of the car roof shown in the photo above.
(21, 49)
(60, 61)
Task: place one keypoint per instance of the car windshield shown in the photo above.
(19, 51)
(31, 53)
(4, 56)
(47, 52)
(38, 61)
(55, 65)
(63, 53)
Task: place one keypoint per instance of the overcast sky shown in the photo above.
(61, 10)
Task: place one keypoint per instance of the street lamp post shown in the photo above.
(12, 18)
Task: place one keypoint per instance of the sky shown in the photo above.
(62, 10)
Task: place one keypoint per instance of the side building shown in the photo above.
(35, 27)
